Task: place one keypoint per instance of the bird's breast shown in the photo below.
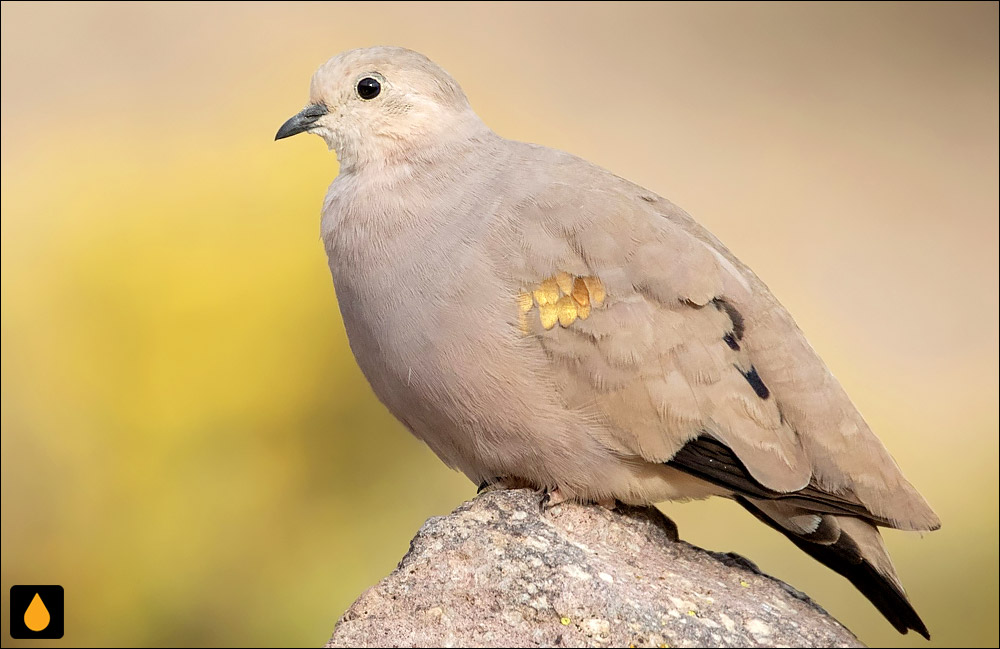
(421, 324)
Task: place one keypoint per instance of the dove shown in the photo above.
(537, 320)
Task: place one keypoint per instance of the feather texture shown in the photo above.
(532, 316)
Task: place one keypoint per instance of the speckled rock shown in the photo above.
(496, 572)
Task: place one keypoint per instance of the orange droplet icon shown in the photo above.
(36, 617)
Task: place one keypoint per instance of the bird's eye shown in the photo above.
(369, 88)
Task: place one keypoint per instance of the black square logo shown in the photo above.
(36, 612)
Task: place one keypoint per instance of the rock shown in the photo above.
(497, 572)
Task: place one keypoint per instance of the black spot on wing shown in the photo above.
(754, 380)
(734, 316)
(731, 341)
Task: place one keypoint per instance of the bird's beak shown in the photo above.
(301, 122)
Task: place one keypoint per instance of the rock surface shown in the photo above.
(496, 572)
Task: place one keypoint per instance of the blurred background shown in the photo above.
(188, 446)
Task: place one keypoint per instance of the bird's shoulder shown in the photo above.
(563, 213)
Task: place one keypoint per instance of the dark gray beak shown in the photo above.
(301, 122)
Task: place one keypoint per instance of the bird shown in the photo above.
(538, 321)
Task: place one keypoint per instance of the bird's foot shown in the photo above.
(500, 483)
(488, 485)
(551, 498)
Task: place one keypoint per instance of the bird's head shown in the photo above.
(379, 103)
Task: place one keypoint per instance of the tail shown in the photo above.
(853, 547)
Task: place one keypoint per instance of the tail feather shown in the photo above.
(858, 555)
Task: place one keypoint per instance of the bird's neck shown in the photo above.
(376, 204)
(381, 152)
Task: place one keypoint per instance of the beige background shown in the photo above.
(188, 446)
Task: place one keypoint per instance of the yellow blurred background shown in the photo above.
(187, 444)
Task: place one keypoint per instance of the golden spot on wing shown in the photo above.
(549, 315)
(596, 289)
(566, 308)
(561, 299)
(580, 292)
(565, 282)
(547, 292)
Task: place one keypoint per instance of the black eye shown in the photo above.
(369, 88)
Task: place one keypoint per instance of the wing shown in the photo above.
(653, 325)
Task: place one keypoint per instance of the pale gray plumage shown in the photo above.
(671, 373)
